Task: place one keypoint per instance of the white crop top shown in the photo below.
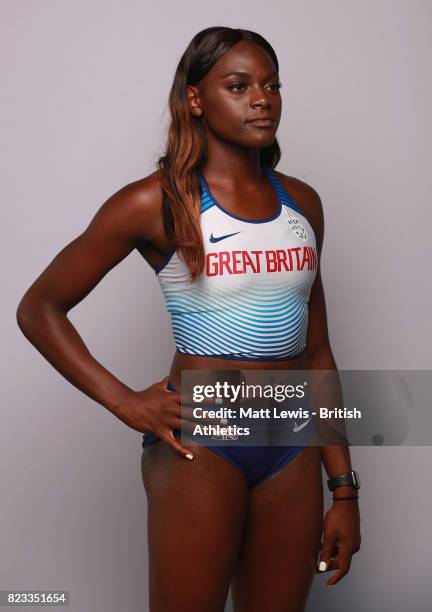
(251, 300)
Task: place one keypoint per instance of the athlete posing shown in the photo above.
(236, 248)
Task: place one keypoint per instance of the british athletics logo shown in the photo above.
(278, 260)
(297, 227)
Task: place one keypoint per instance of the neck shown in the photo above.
(228, 164)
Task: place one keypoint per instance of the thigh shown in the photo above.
(196, 514)
(281, 538)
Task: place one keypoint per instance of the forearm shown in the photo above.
(53, 335)
(336, 458)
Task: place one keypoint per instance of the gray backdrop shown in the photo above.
(85, 86)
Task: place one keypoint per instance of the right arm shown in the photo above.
(124, 221)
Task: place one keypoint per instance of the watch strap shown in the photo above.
(343, 480)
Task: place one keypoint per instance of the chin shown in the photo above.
(264, 141)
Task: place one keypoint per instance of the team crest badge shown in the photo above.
(297, 227)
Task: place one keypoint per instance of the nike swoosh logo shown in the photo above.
(219, 238)
(298, 427)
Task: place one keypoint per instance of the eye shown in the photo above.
(276, 86)
(235, 85)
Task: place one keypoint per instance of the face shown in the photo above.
(242, 86)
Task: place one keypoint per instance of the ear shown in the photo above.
(193, 100)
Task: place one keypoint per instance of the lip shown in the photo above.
(263, 122)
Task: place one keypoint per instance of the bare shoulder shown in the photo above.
(135, 208)
(308, 200)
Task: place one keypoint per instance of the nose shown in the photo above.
(259, 97)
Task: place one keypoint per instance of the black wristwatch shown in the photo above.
(344, 480)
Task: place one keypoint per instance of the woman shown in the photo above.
(246, 517)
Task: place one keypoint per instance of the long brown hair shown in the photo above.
(185, 152)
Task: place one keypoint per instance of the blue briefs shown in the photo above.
(256, 463)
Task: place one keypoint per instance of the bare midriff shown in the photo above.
(182, 361)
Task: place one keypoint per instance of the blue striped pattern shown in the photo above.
(206, 199)
(255, 324)
(283, 195)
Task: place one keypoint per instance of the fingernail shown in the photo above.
(223, 421)
(189, 456)
(322, 567)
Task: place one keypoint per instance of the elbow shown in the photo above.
(33, 311)
(24, 314)
(28, 313)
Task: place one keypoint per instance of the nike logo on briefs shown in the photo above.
(298, 427)
(219, 238)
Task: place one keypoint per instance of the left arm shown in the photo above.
(342, 521)
(336, 459)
